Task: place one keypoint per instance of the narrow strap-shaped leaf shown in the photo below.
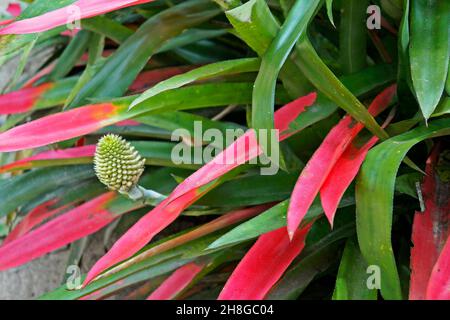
(430, 228)
(145, 229)
(176, 282)
(34, 218)
(18, 190)
(52, 94)
(315, 259)
(81, 121)
(344, 171)
(329, 4)
(376, 180)
(62, 16)
(263, 265)
(273, 59)
(71, 55)
(353, 35)
(208, 228)
(27, 163)
(341, 176)
(243, 149)
(168, 210)
(270, 220)
(429, 51)
(121, 69)
(202, 73)
(323, 79)
(150, 78)
(73, 225)
(351, 281)
(255, 25)
(60, 126)
(27, 99)
(323, 160)
(439, 284)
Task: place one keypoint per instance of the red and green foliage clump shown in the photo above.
(357, 90)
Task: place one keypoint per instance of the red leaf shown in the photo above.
(321, 163)
(430, 230)
(243, 149)
(73, 225)
(127, 123)
(78, 10)
(60, 126)
(34, 218)
(39, 75)
(22, 100)
(263, 265)
(26, 163)
(181, 198)
(5, 22)
(26, 99)
(178, 281)
(142, 232)
(342, 175)
(439, 284)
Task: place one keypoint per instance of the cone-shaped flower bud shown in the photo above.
(117, 163)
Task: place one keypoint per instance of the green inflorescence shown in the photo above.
(117, 163)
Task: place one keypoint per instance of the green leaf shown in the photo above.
(353, 35)
(324, 80)
(23, 62)
(149, 268)
(407, 183)
(11, 43)
(3, 230)
(429, 51)
(120, 69)
(273, 59)
(351, 281)
(18, 190)
(254, 190)
(108, 28)
(376, 180)
(70, 56)
(443, 108)
(329, 4)
(255, 25)
(202, 73)
(269, 220)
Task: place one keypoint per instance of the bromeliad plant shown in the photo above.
(362, 116)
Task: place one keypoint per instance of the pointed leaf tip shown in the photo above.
(324, 159)
(264, 264)
(78, 10)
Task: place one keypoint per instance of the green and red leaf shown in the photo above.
(63, 154)
(67, 14)
(71, 226)
(322, 162)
